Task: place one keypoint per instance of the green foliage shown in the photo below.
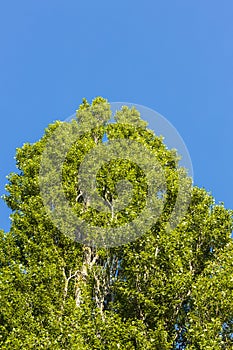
(165, 290)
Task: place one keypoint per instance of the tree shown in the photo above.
(169, 288)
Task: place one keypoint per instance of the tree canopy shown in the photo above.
(170, 287)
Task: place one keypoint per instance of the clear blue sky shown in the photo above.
(173, 56)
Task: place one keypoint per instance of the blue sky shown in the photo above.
(175, 57)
